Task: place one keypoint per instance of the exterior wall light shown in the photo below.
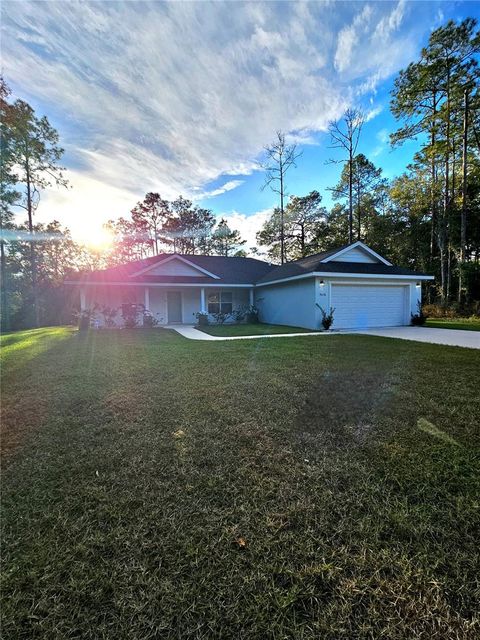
(418, 285)
(322, 283)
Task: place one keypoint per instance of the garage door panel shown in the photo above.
(361, 306)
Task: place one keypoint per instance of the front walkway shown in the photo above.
(452, 337)
(194, 334)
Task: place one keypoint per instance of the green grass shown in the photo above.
(259, 489)
(468, 324)
(259, 329)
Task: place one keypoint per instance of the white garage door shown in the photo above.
(360, 306)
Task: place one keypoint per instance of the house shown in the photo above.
(364, 288)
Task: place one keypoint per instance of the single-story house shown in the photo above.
(364, 288)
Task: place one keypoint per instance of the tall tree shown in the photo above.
(226, 241)
(428, 95)
(36, 152)
(8, 193)
(366, 180)
(279, 158)
(304, 216)
(302, 220)
(189, 227)
(132, 240)
(150, 216)
(345, 135)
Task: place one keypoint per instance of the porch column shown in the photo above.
(250, 297)
(202, 300)
(83, 299)
(147, 298)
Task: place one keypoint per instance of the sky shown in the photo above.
(182, 97)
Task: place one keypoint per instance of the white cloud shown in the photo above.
(383, 137)
(371, 48)
(228, 186)
(391, 22)
(168, 97)
(247, 225)
(350, 36)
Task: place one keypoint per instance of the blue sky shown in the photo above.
(181, 98)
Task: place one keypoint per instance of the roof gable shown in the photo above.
(356, 252)
(175, 265)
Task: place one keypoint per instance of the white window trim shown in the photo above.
(169, 259)
(363, 246)
(219, 292)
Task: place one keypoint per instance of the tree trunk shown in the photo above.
(359, 221)
(433, 192)
(350, 194)
(446, 198)
(33, 257)
(463, 218)
(282, 230)
(4, 286)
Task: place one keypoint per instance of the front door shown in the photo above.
(174, 306)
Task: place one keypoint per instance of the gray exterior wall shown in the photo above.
(291, 304)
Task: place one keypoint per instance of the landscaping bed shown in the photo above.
(254, 329)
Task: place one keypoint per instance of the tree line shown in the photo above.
(428, 218)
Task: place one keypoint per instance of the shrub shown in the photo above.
(149, 319)
(85, 318)
(130, 314)
(418, 319)
(221, 317)
(109, 314)
(239, 314)
(202, 318)
(435, 311)
(327, 318)
(455, 310)
(252, 314)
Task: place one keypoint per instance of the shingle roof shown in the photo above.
(292, 269)
(235, 270)
(230, 270)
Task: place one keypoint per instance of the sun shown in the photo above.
(97, 239)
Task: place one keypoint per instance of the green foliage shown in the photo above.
(327, 317)
(131, 313)
(202, 318)
(303, 224)
(85, 318)
(220, 317)
(109, 314)
(224, 240)
(149, 320)
(418, 319)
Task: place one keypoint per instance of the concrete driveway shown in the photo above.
(452, 337)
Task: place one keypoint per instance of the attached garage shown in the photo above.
(364, 289)
(358, 306)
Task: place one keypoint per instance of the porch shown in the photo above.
(167, 304)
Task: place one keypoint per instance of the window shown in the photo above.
(220, 302)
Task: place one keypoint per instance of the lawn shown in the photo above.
(258, 329)
(468, 324)
(156, 487)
